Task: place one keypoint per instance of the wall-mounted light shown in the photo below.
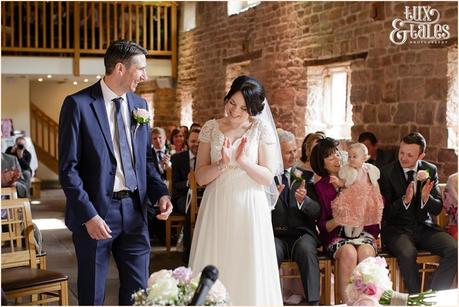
(85, 80)
(75, 83)
(98, 77)
(49, 76)
(40, 79)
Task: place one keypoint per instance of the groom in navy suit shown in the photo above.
(106, 172)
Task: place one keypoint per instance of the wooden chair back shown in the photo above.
(169, 178)
(17, 234)
(9, 193)
(194, 199)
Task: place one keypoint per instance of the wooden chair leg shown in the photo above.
(168, 236)
(64, 301)
(336, 281)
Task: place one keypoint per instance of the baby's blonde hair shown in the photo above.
(362, 148)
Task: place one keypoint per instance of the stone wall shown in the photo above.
(394, 89)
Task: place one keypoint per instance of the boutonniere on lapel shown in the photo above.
(422, 176)
(141, 117)
(296, 175)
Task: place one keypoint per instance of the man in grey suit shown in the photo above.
(294, 219)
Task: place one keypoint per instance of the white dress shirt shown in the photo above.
(108, 95)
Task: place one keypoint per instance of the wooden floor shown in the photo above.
(61, 254)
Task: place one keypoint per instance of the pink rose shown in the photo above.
(370, 290)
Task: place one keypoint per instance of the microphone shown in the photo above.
(208, 277)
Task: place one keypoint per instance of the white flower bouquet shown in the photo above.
(177, 287)
(370, 285)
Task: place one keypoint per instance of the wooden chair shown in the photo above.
(290, 270)
(26, 282)
(169, 178)
(11, 193)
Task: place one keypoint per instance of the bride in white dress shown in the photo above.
(233, 230)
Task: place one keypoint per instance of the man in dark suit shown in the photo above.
(378, 157)
(409, 205)
(294, 219)
(106, 172)
(160, 153)
(182, 163)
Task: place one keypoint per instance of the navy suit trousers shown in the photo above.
(130, 246)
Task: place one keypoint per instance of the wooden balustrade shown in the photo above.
(44, 134)
(87, 28)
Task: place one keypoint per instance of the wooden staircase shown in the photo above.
(44, 133)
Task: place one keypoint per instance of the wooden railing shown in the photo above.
(44, 133)
(87, 28)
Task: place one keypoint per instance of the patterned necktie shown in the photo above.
(125, 153)
(286, 190)
(159, 156)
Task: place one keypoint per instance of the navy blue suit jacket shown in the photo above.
(87, 164)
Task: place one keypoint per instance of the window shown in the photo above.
(188, 19)
(329, 108)
(186, 109)
(236, 7)
(452, 117)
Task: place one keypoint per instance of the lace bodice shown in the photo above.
(257, 133)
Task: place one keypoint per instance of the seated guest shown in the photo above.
(195, 126)
(24, 157)
(378, 157)
(294, 219)
(308, 144)
(182, 163)
(185, 131)
(12, 175)
(177, 140)
(347, 252)
(161, 155)
(450, 204)
(410, 201)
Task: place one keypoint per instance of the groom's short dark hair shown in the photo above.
(252, 91)
(415, 138)
(121, 51)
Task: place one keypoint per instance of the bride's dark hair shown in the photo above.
(252, 91)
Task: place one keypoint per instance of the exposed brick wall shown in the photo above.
(395, 90)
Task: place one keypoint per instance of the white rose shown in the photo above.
(164, 289)
(422, 175)
(217, 293)
(156, 276)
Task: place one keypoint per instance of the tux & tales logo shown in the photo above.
(420, 26)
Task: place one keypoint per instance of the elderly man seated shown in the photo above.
(294, 219)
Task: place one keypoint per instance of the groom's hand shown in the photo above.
(165, 207)
(98, 229)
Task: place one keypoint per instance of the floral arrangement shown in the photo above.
(370, 285)
(177, 287)
(422, 175)
(141, 116)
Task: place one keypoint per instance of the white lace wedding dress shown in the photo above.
(233, 228)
